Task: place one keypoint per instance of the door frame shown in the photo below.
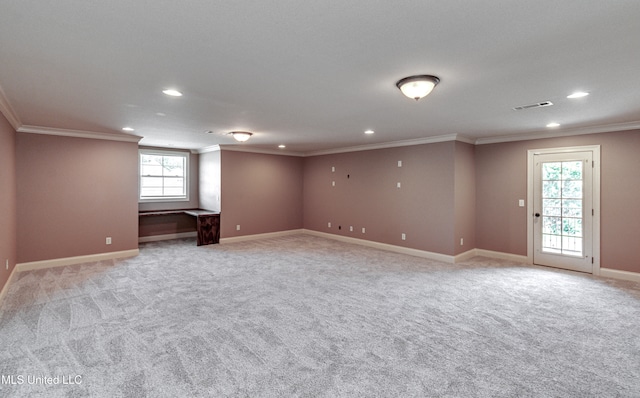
(595, 149)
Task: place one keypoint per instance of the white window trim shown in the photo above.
(187, 175)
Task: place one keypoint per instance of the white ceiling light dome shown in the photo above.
(241, 136)
(417, 87)
(172, 93)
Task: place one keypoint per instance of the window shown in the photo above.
(164, 176)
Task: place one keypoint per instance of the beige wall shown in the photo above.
(8, 221)
(450, 190)
(261, 193)
(465, 198)
(366, 195)
(72, 193)
(501, 178)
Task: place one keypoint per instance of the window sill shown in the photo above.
(163, 200)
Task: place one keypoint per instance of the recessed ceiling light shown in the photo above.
(172, 92)
(578, 94)
(128, 129)
(282, 146)
(369, 131)
(553, 124)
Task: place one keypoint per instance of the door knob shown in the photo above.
(537, 214)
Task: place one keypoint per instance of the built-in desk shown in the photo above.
(207, 223)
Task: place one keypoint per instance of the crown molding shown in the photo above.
(7, 110)
(166, 149)
(393, 144)
(210, 148)
(239, 148)
(78, 133)
(605, 128)
(466, 140)
(368, 147)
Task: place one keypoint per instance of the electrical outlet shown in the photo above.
(333, 169)
(362, 229)
(521, 202)
(238, 227)
(329, 224)
(108, 240)
(461, 241)
(398, 185)
(404, 236)
(351, 228)
(399, 163)
(333, 183)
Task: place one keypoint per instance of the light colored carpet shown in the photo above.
(309, 317)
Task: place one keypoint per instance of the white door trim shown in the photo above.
(595, 149)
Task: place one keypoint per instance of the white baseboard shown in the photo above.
(384, 246)
(502, 256)
(604, 272)
(422, 253)
(5, 288)
(266, 235)
(61, 262)
(465, 256)
(617, 274)
(156, 238)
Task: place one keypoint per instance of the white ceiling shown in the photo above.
(315, 74)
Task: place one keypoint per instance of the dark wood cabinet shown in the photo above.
(207, 223)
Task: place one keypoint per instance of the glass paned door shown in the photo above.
(562, 224)
(562, 204)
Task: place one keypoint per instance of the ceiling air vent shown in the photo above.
(531, 106)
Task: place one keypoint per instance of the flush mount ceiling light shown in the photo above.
(416, 87)
(553, 125)
(369, 132)
(577, 94)
(172, 92)
(241, 136)
(128, 129)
